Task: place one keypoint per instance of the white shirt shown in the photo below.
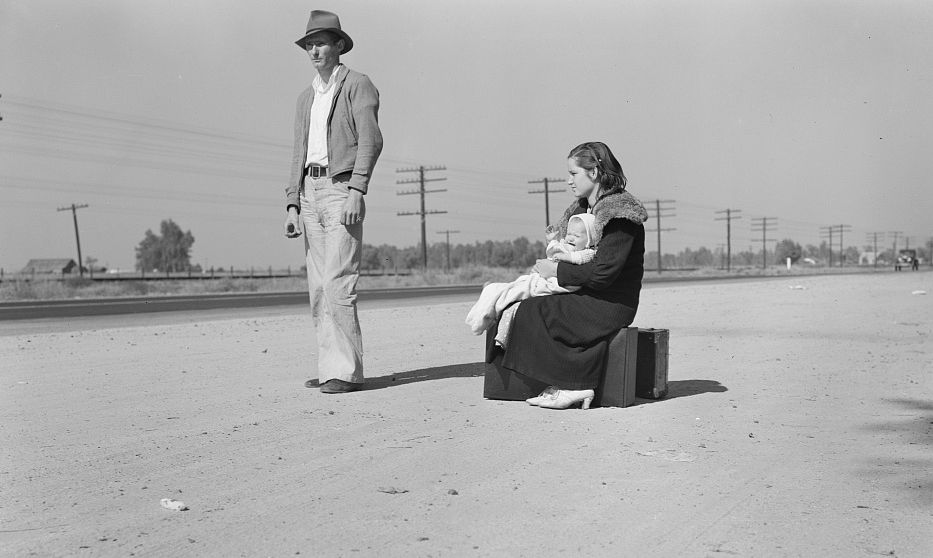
(320, 111)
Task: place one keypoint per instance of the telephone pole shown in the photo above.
(828, 231)
(74, 213)
(660, 207)
(730, 215)
(421, 180)
(874, 241)
(896, 235)
(547, 194)
(448, 233)
(842, 249)
(764, 225)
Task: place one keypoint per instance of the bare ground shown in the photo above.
(800, 423)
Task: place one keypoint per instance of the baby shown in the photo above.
(574, 248)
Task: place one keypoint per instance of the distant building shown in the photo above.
(50, 265)
(867, 258)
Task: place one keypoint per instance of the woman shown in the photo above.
(562, 340)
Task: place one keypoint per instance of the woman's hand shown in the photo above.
(545, 268)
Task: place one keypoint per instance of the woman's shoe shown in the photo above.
(567, 398)
(549, 393)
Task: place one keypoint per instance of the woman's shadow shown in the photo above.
(675, 389)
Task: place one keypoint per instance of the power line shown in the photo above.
(74, 213)
(831, 231)
(764, 225)
(448, 233)
(547, 210)
(874, 241)
(896, 235)
(728, 219)
(658, 213)
(421, 180)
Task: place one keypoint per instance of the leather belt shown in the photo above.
(316, 171)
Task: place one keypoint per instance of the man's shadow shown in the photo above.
(464, 370)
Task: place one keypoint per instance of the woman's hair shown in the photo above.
(596, 155)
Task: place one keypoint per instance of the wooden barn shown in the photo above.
(58, 266)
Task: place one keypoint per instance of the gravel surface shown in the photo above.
(799, 423)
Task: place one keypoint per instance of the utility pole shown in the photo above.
(896, 235)
(74, 213)
(874, 241)
(659, 212)
(448, 233)
(547, 194)
(842, 249)
(728, 219)
(828, 231)
(764, 225)
(421, 180)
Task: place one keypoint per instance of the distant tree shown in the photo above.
(787, 248)
(170, 251)
(89, 262)
(851, 255)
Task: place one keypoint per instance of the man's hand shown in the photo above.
(353, 209)
(292, 228)
(545, 268)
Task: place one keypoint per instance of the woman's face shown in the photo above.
(581, 181)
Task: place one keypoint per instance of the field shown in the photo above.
(14, 287)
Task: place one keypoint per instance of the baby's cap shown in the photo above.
(589, 223)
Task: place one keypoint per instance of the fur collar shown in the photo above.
(621, 205)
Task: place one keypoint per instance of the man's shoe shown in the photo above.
(339, 386)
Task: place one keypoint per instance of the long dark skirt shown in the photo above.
(562, 340)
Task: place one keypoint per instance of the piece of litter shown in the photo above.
(452, 492)
(391, 490)
(174, 505)
(919, 293)
(669, 455)
(798, 287)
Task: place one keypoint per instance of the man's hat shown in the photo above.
(325, 21)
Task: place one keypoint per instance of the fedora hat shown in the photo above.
(321, 20)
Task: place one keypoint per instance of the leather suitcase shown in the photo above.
(651, 377)
(616, 386)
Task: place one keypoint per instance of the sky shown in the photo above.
(815, 113)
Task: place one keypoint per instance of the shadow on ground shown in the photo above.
(909, 422)
(686, 388)
(464, 370)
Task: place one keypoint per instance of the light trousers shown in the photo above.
(333, 253)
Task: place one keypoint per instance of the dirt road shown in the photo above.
(800, 423)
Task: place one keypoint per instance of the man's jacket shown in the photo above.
(353, 137)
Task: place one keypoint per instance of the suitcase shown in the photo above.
(616, 385)
(651, 377)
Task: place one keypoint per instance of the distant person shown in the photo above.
(337, 143)
(575, 248)
(561, 341)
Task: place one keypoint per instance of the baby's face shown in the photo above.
(576, 235)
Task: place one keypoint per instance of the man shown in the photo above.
(337, 142)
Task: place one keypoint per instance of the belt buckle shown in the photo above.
(316, 171)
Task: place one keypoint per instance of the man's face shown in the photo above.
(324, 50)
